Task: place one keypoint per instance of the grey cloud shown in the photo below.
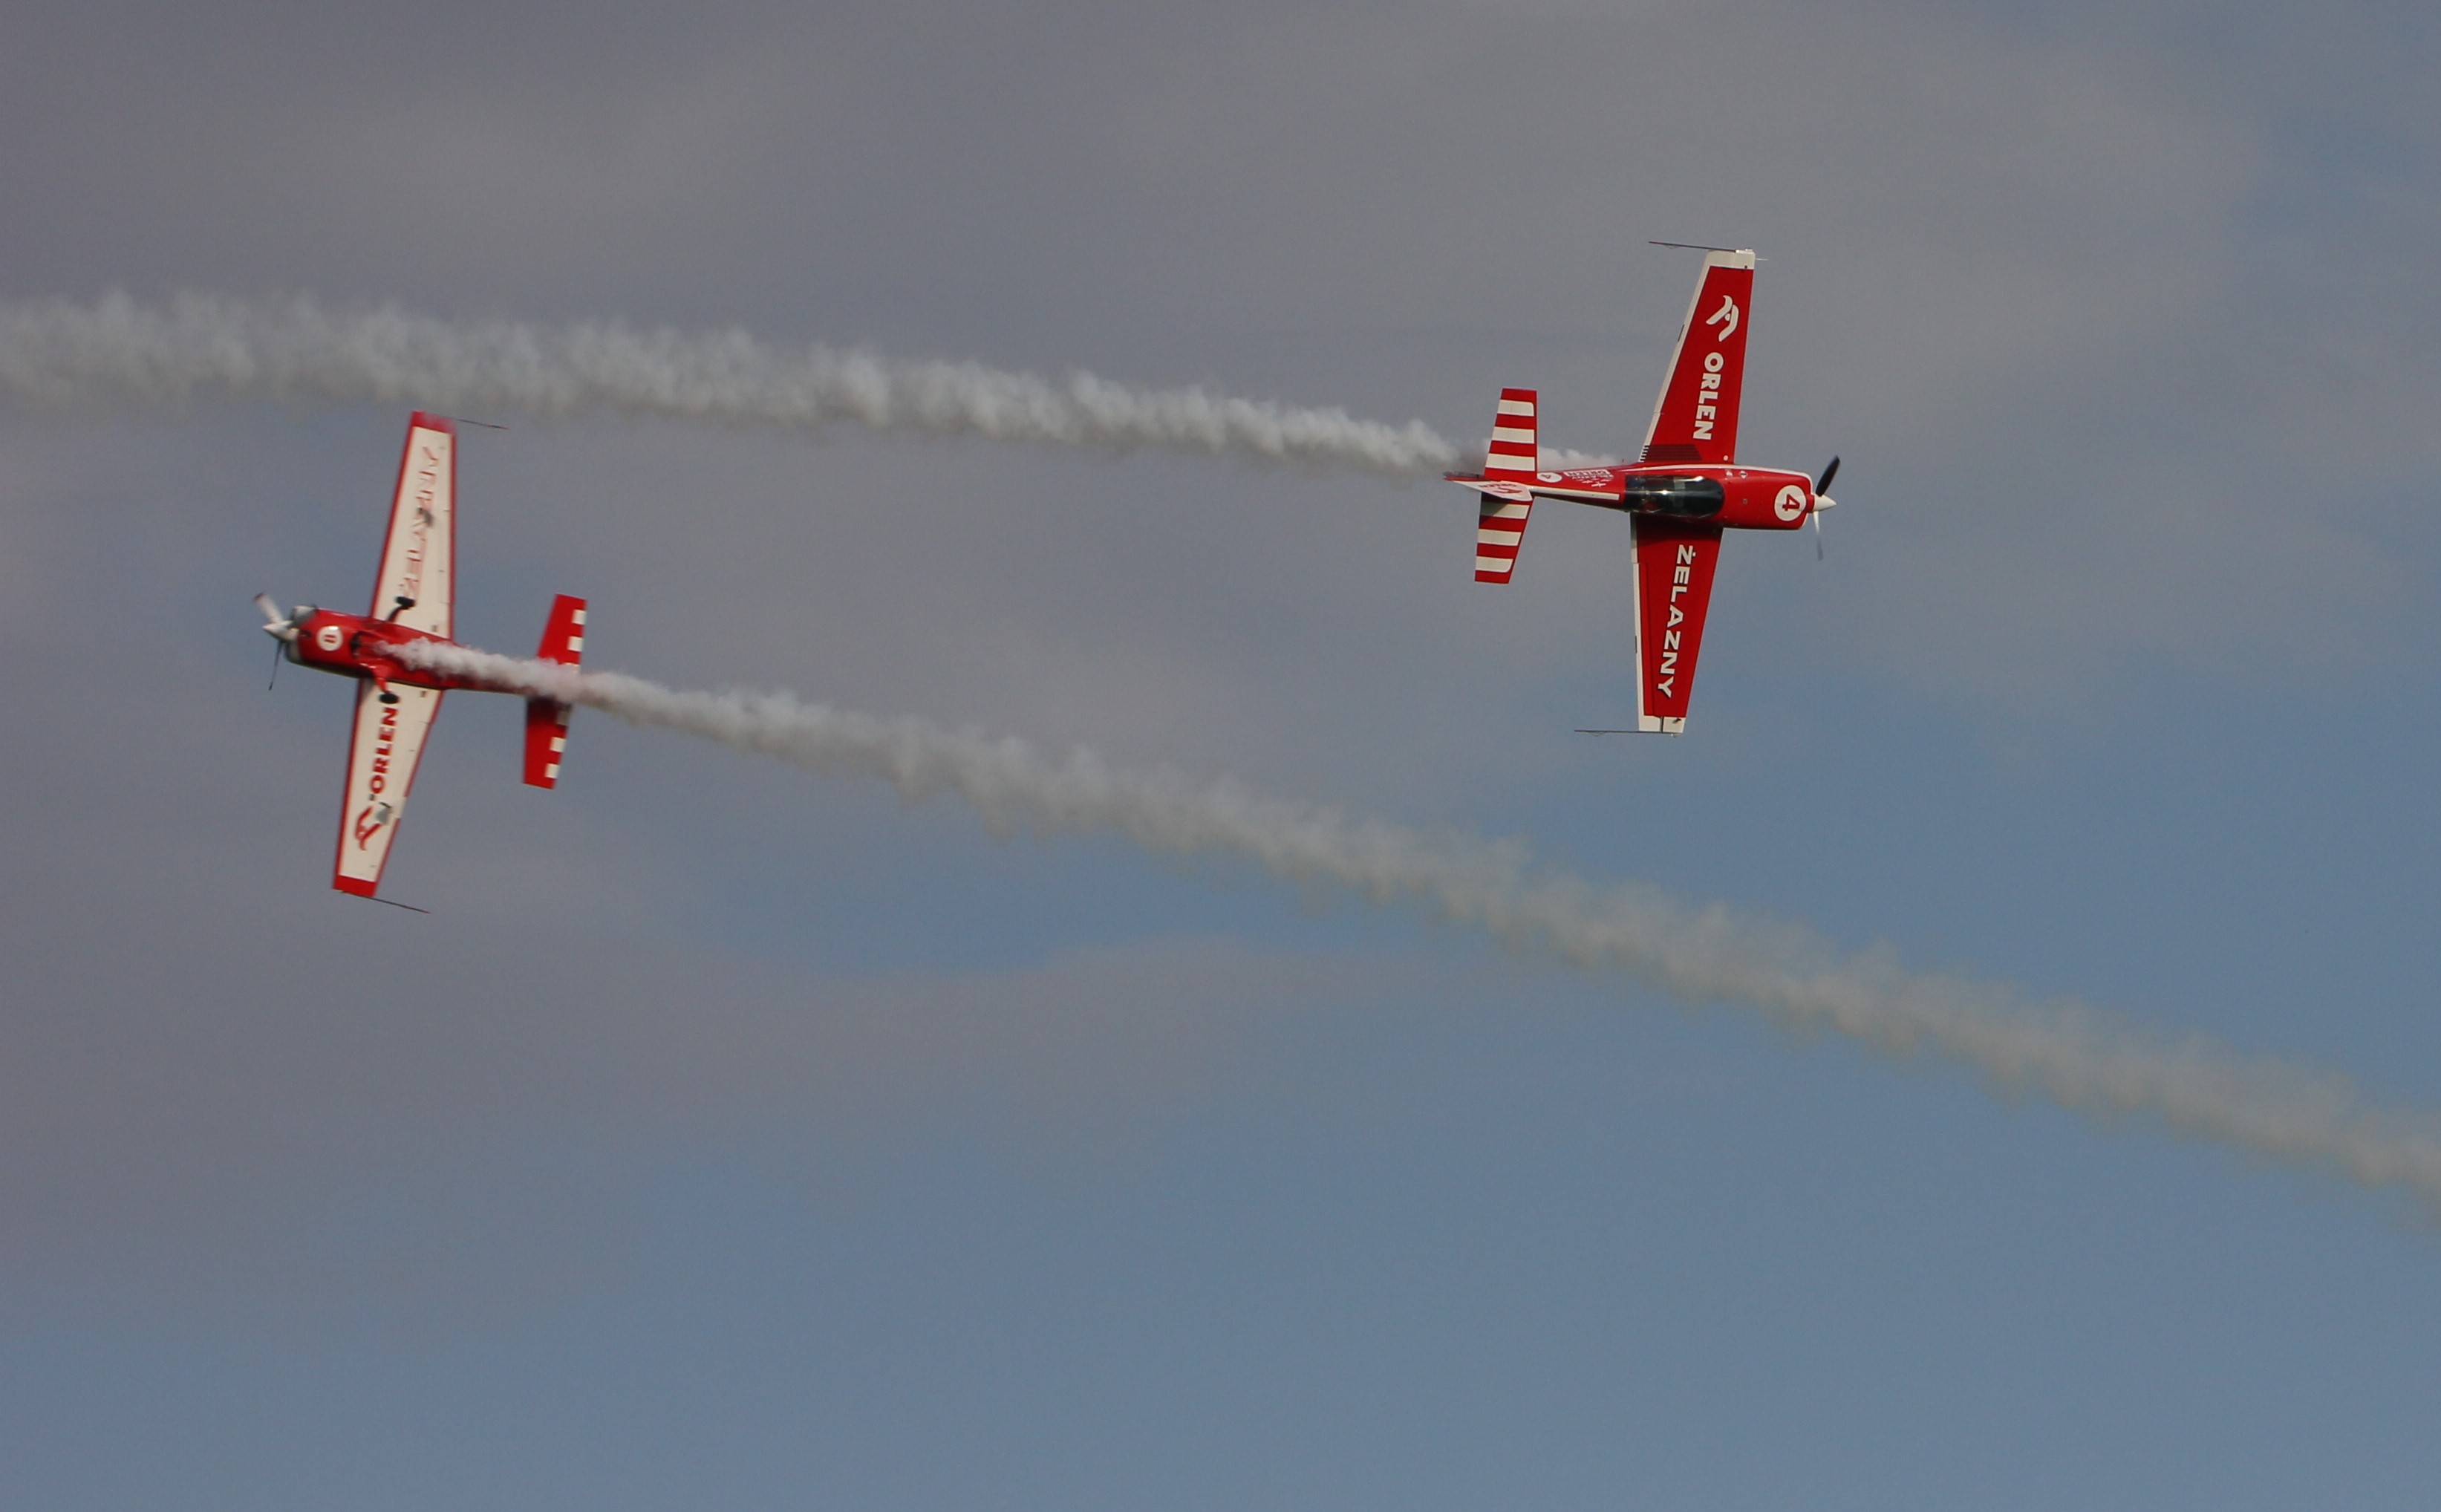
(1999, 252)
(172, 1100)
(2067, 1053)
(1991, 254)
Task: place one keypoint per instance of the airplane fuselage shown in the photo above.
(1735, 497)
(356, 645)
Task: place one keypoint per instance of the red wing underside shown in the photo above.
(1674, 586)
(381, 768)
(420, 552)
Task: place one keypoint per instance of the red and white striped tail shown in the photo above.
(563, 640)
(1498, 532)
(1500, 528)
(1512, 454)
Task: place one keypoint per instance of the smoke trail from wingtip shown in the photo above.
(295, 351)
(2063, 1053)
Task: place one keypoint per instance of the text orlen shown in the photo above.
(1707, 394)
(376, 813)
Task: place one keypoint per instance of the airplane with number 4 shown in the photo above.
(1679, 495)
(414, 598)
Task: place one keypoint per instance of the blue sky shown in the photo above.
(729, 1138)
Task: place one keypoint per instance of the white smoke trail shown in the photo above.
(294, 351)
(2067, 1053)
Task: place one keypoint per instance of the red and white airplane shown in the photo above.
(1680, 494)
(413, 600)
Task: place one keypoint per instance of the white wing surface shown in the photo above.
(381, 768)
(418, 584)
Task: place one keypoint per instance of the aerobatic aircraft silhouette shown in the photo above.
(414, 598)
(1681, 493)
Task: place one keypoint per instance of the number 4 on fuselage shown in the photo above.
(414, 599)
(1680, 494)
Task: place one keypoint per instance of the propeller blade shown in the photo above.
(271, 615)
(1822, 501)
(277, 647)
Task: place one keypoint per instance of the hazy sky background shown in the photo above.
(730, 1138)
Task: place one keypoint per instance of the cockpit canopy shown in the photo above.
(1687, 498)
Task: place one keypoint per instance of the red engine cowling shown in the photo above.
(1765, 499)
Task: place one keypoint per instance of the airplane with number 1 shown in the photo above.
(1679, 495)
(414, 598)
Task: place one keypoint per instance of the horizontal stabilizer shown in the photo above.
(1499, 529)
(563, 641)
(1507, 500)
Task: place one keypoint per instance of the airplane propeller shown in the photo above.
(275, 625)
(1823, 501)
(281, 628)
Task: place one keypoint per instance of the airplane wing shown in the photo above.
(381, 768)
(418, 582)
(1696, 418)
(1674, 586)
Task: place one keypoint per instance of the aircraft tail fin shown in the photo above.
(1513, 453)
(563, 640)
(1508, 477)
